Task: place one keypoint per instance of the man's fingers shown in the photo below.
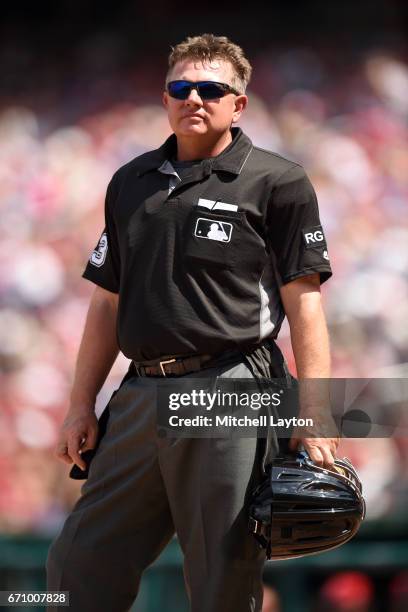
(294, 443)
(322, 453)
(334, 443)
(328, 458)
(78, 433)
(89, 440)
(315, 454)
(73, 448)
(61, 452)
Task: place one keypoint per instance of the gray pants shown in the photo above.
(142, 489)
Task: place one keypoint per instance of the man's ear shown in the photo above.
(165, 99)
(241, 102)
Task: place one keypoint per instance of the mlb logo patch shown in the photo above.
(220, 231)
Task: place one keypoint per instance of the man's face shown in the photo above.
(196, 117)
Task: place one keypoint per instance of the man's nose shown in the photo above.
(194, 98)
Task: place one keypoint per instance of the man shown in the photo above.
(208, 242)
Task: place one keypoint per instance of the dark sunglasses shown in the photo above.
(207, 90)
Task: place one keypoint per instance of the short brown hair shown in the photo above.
(208, 47)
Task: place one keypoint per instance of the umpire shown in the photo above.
(209, 241)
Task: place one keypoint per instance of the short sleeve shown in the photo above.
(103, 267)
(295, 233)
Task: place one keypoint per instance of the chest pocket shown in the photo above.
(215, 238)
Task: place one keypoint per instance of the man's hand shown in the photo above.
(319, 440)
(78, 433)
(322, 451)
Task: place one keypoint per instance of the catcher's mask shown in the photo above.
(301, 509)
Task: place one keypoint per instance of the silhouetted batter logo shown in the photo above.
(213, 230)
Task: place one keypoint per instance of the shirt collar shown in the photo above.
(232, 159)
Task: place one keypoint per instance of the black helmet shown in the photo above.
(301, 509)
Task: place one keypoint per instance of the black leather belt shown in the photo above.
(176, 366)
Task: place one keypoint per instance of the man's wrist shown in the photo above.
(81, 405)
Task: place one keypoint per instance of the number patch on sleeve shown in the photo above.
(99, 255)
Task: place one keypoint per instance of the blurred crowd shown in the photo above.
(348, 591)
(348, 129)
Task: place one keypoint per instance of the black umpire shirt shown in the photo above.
(198, 261)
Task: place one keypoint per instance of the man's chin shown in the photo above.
(193, 130)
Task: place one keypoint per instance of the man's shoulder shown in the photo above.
(273, 164)
(138, 165)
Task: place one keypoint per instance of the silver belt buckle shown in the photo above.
(162, 363)
(254, 525)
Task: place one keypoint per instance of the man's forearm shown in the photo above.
(310, 340)
(97, 352)
(310, 343)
